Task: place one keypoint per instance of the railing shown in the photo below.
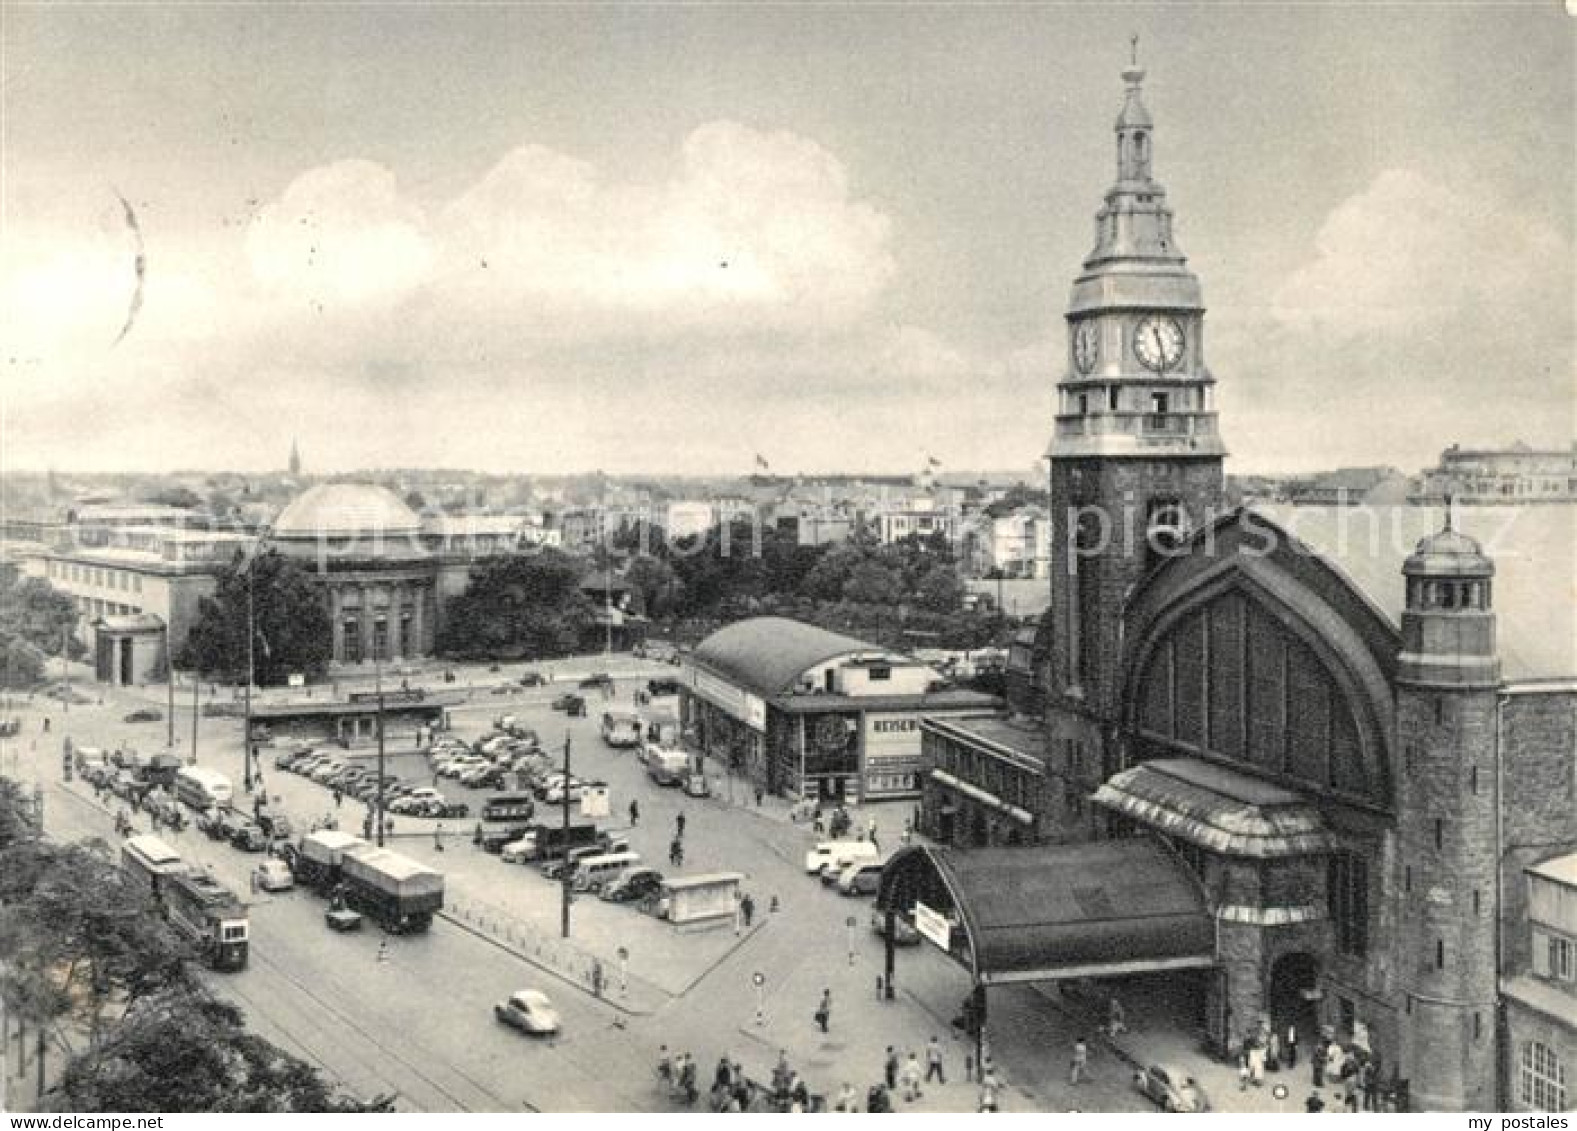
(557, 954)
(1159, 424)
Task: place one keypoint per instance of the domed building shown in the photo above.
(383, 584)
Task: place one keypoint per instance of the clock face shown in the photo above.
(1158, 342)
(1086, 346)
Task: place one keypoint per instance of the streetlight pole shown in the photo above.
(377, 675)
(169, 674)
(195, 713)
(564, 864)
(246, 737)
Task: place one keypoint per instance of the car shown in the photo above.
(306, 763)
(634, 886)
(904, 933)
(248, 836)
(210, 822)
(1171, 1089)
(570, 702)
(530, 1011)
(533, 679)
(558, 793)
(342, 919)
(144, 715)
(425, 793)
(490, 778)
(285, 759)
(863, 877)
(325, 771)
(276, 825)
(602, 681)
(273, 875)
(505, 689)
(457, 766)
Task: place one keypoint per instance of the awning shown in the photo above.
(1101, 909)
(1022, 816)
(1219, 809)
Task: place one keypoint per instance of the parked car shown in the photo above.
(599, 681)
(326, 771)
(145, 715)
(530, 1011)
(288, 758)
(569, 701)
(533, 679)
(1171, 1088)
(248, 836)
(863, 877)
(274, 875)
(634, 886)
(560, 792)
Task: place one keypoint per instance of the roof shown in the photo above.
(1216, 808)
(1562, 869)
(1022, 738)
(1534, 550)
(132, 622)
(1076, 910)
(767, 654)
(949, 699)
(345, 510)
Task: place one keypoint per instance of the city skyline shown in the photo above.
(555, 240)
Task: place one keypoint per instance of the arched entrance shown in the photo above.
(1294, 982)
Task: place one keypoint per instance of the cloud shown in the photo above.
(1410, 255)
(342, 233)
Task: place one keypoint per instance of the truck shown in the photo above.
(666, 766)
(393, 890)
(551, 840)
(317, 859)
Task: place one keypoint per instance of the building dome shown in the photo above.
(1448, 553)
(346, 510)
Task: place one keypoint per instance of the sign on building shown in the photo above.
(892, 755)
(735, 701)
(933, 925)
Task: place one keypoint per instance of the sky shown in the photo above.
(674, 238)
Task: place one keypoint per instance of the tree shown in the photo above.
(872, 583)
(183, 497)
(79, 934)
(183, 1050)
(36, 612)
(292, 629)
(516, 606)
(21, 665)
(940, 590)
(656, 586)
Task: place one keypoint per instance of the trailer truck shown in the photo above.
(317, 859)
(393, 890)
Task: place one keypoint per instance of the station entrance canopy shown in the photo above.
(1101, 909)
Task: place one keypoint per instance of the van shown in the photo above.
(666, 767)
(202, 788)
(838, 854)
(594, 871)
(863, 877)
(508, 807)
(622, 729)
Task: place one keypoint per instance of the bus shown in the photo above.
(202, 788)
(151, 863)
(209, 916)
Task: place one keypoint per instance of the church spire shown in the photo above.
(295, 458)
(1134, 125)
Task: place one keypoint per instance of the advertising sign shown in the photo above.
(892, 755)
(742, 705)
(933, 925)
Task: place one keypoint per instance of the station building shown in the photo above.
(1354, 736)
(807, 713)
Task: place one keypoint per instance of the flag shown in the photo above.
(932, 461)
(761, 463)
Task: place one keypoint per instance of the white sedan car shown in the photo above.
(530, 1011)
(274, 875)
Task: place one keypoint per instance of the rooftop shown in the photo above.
(1562, 869)
(342, 510)
(768, 654)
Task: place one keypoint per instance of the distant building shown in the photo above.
(1016, 544)
(1514, 474)
(1351, 486)
(920, 516)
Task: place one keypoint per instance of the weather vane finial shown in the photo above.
(1133, 49)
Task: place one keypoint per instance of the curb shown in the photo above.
(627, 1010)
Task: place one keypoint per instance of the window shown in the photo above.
(1543, 1078)
(1440, 711)
(1112, 398)
(1554, 956)
(1440, 833)
(881, 673)
(1440, 954)
(1347, 891)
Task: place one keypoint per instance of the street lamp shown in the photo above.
(248, 755)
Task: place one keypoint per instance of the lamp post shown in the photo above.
(565, 879)
(246, 734)
(169, 674)
(377, 675)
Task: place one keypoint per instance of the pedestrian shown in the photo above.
(878, 1099)
(870, 833)
(1290, 1045)
(911, 1077)
(1335, 1062)
(438, 837)
(252, 876)
(1256, 1063)
(847, 1100)
(989, 1089)
(1116, 1018)
(383, 950)
(1078, 1066)
(1273, 1052)
(665, 1069)
(1369, 1083)
(338, 797)
(824, 1010)
(747, 907)
(635, 813)
(1317, 1060)
(46, 724)
(933, 1060)
(759, 794)
(890, 1069)
(1313, 1105)
(1243, 1069)
(679, 824)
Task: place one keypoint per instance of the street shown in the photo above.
(419, 1023)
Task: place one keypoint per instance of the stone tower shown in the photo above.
(1446, 689)
(1135, 455)
(295, 459)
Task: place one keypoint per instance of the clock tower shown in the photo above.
(1136, 459)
